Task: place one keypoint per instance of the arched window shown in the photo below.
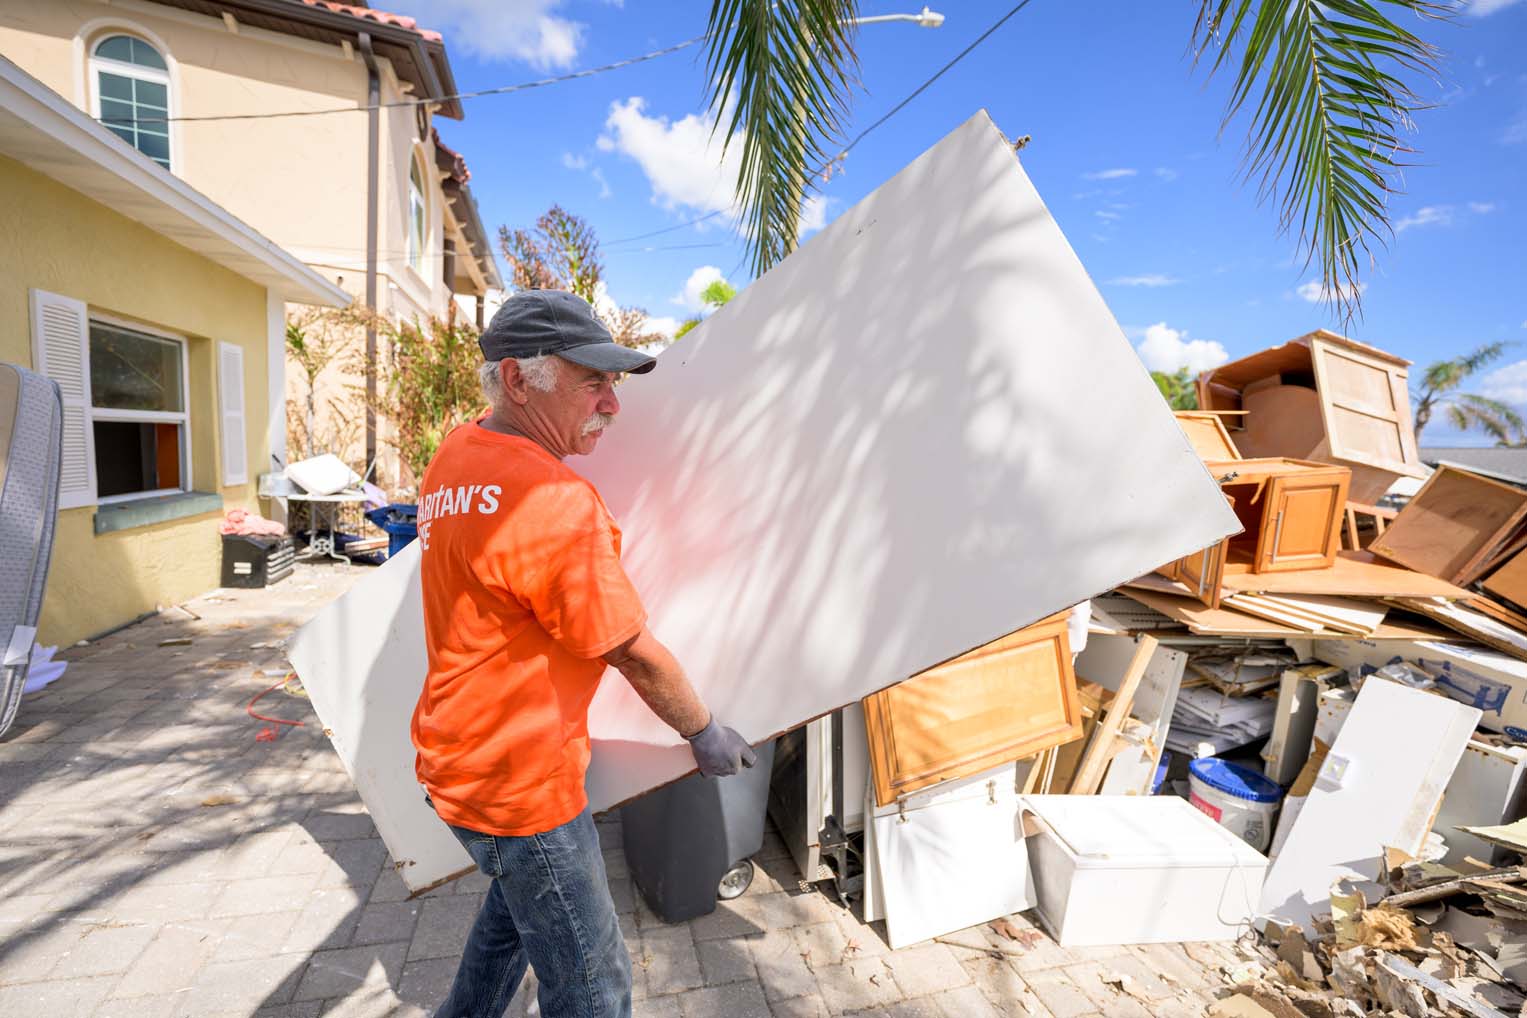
(416, 218)
(132, 94)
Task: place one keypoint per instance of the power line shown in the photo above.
(501, 90)
(919, 90)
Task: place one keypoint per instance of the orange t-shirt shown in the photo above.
(523, 591)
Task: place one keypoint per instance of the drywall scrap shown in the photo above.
(921, 431)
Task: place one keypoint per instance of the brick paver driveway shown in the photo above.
(157, 860)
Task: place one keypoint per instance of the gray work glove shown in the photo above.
(719, 750)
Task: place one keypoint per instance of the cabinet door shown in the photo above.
(1004, 701)
(1366, 405)
(1202, 573)
(1301, 525)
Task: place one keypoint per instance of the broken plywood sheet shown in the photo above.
(898, 445)
(1352, 574)
(1203, 621)
(1379, 785)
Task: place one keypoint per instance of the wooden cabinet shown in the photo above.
(1321, 397)
(1007, 700)
(1291, 515)
(1301, 524)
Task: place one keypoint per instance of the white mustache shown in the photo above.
(598, 422)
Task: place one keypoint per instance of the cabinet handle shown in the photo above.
(1277, 538)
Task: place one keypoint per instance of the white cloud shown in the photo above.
(813, 215)
(689, 296)
(1106, 216)
(1166, 174)
(1113, 174)
(663, 325)
(1148, 279)
(1167, 349)
(1314, 291)
(1516, 131)
(1483, 8)
(681, 158)
(1508, 384)
(1427, 215)
(525, 30)
(1482, 208)
(582, 164)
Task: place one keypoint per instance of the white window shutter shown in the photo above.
(230, 378)
(61, 350)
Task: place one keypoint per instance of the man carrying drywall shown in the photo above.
(525, 603)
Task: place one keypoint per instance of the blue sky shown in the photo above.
(1125, 151)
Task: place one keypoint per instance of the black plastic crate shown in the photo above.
(250, 561)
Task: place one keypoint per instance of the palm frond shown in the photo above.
(783, 68)
(1472, 362)
(1497, 419)
(1324, 80)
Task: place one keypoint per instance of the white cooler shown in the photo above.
(1138, 870)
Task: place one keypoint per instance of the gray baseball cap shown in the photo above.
(536, 322)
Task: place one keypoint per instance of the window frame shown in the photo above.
(182, 417)
(417, 214)
(95, 65)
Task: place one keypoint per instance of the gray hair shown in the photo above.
(540, 373)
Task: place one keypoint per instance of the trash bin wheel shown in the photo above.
(736, 881)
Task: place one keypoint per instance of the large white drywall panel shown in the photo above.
(1378, 788)
(921, 431)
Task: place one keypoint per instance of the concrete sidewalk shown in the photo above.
(157, 860)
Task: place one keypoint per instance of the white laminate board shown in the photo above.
(1481, 794)
(1378, 787)
(953, 860)
(904, 441)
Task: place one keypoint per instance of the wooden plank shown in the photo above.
(1002, 702)
(1100, 750)
(808, 521)
(1207, 434)
(1203, 621)
(1510, 580)
(1210, 621)
(1361, 615)
(1252, 606)
(1106, 660)
(1499, 612)
(1503, 551)
(1452, 523)
(1475, 625)
(1353, 574)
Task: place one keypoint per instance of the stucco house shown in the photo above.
(158, 313)
(311, 120)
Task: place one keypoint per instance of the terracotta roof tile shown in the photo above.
(380, 17)
(458, 162)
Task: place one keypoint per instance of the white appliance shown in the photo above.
(1138, 870)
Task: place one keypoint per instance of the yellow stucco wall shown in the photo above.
(63, 242)
(301, 181)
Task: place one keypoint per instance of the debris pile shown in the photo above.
(1441, 941)
(1366, 654)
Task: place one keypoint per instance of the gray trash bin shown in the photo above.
(688, 844)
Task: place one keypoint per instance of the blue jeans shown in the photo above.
(549, 907)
